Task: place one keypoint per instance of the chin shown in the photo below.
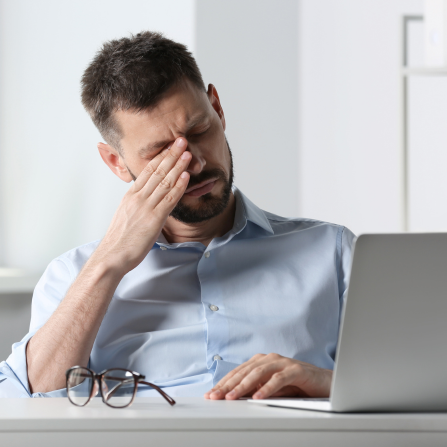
(196, 202)
(199, 209)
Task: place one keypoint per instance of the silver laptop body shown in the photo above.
(392, 347)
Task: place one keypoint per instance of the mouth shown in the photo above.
(201, 188)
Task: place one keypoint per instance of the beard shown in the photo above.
(209, 205)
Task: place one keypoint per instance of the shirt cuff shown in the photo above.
(10, 386)
(16, 363)
(16, 374)
(222, 369)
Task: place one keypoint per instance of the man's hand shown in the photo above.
(66, 339)
(144, 209)
(273, 375)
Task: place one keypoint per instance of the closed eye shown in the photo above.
(199, 134)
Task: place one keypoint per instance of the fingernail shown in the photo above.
(231, 393)
(185, 156)
(181, 142)
(257, 395)
(184, 175)
(216, 392)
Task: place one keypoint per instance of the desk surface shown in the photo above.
(197, 419)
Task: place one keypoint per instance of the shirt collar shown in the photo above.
(246, 210)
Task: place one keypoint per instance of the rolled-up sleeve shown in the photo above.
(49, 292)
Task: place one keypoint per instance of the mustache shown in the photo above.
(206, 175)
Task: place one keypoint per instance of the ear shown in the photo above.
(215, 102)
(114, 161)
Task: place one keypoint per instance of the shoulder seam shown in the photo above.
(68, 266)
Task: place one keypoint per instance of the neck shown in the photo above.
(204, 232)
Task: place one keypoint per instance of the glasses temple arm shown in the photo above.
(155, 387)
(116, 387)
(168, 398)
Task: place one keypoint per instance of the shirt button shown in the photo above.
(217, 357)
(207, 254)
(163, 248)
(214, 308)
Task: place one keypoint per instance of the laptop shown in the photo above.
(392, 346)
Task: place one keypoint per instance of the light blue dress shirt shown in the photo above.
(189, 314)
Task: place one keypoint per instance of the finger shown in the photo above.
(169, 161)
(225, 384)
(217, 389)
(220, 391)
(278, 380)
(242, 366)
(170, 200)
(168, 183)
(251, 381)
(227, 377)
(148, 170)
(234, 381)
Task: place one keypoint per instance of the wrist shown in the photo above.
(103, 263)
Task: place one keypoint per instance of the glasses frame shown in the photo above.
(137, 377)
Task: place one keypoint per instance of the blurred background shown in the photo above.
(311, 89)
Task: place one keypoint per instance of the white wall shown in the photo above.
(55, 191)
(249, 50)
(349, 110)
(428, 153)
(310, 92)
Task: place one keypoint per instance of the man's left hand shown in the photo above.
(273, 375)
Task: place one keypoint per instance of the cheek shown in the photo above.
(214, 147)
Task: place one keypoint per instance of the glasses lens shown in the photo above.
(79, 386)
(118, 387)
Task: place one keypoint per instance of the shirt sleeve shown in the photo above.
(345, 245)
(49, 292)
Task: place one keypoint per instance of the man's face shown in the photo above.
(185, 111)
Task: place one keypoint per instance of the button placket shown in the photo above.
(217, 328)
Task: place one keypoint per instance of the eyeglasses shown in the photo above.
(117, 386)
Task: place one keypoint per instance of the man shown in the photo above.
(192, 285)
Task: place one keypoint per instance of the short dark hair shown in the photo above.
(133, 73)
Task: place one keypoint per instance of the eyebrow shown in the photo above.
(159, 144)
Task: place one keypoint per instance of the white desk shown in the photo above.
(197, 422)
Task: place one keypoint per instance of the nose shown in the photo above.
(198, 162)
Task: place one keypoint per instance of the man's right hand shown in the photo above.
(67, 338)
(144, 209)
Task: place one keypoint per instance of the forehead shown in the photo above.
(181, 106)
